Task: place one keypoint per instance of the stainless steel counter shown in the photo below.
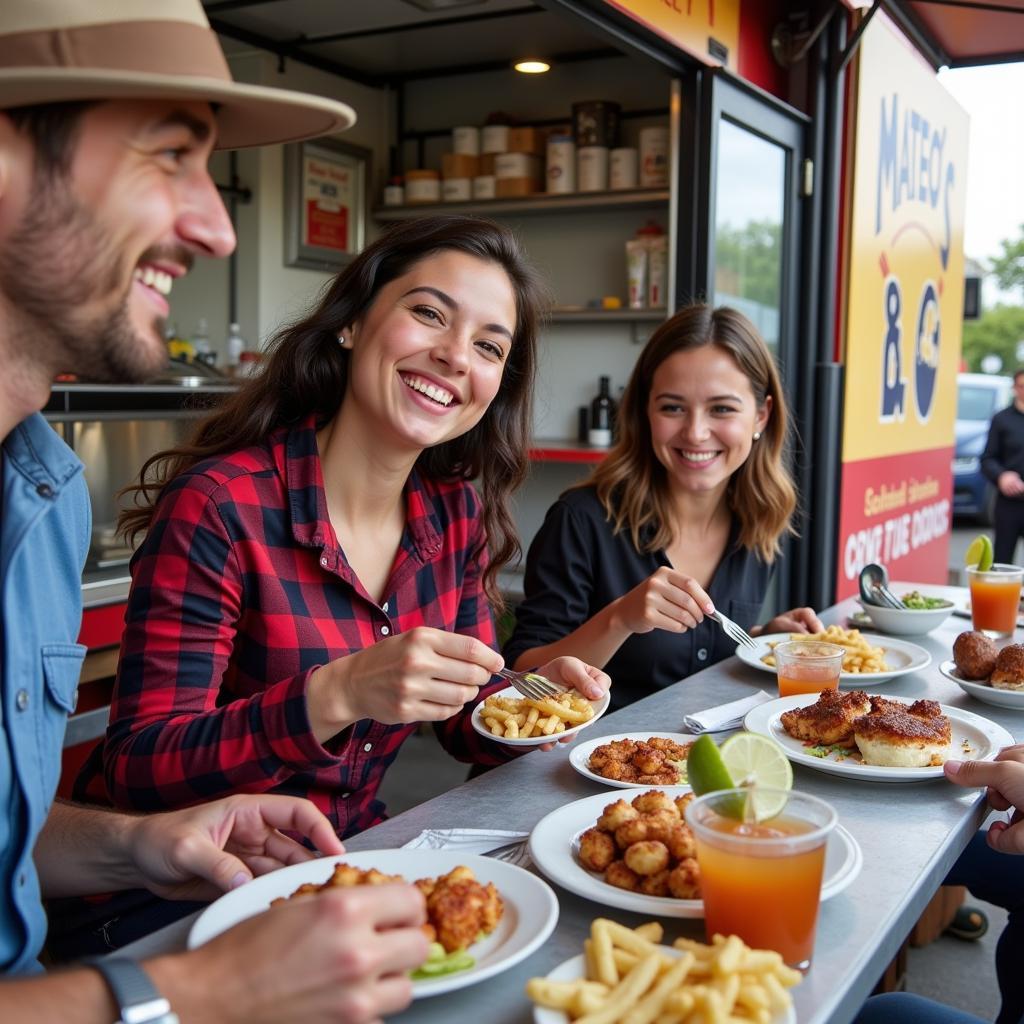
(909, 834)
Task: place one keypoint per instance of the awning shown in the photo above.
(959, 33)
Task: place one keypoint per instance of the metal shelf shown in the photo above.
(579, 202)
(607, 316)
(561, 450)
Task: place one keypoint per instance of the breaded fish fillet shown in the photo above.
(896, 735)
(829, 720)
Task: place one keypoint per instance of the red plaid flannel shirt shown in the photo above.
(239, 592)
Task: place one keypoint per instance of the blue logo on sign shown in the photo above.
(926, 351)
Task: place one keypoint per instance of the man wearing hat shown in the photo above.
(109, 110)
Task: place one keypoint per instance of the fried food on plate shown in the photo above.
(975, 654)
(1008, 673)
(830, 720)
(656, 761)
(459, 908)
(887, 733)
(895, 735)
(521, 717)
(644, 846)
(630, 979)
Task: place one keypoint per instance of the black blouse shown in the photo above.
(576, 566)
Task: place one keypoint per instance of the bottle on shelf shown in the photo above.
(201, 343)
(235, 347)
(602, 416)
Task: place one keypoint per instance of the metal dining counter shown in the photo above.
(910, 835)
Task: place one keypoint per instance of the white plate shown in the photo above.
(531, 909)
(984, 737)
(600, 707)
(575, 968)
(554, 843)
(579, 756)
(901, 657)
(981, 690)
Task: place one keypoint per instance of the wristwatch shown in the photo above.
(134, 991)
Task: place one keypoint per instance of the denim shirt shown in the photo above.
(45, 523)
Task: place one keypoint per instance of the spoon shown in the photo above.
(874, 587)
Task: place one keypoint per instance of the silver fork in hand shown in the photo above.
(734, 630)
(532, 685)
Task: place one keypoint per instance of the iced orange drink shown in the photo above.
(761, 879)
(995, 598)
(807, 666)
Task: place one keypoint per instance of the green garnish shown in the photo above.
(919, 602)
(680, 766)
(439, 962)
(822, 750)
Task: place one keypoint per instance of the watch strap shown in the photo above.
(137, 997)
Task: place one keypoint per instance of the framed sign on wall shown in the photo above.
(325, 203)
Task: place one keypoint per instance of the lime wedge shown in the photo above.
(759, 762)
(706, 769)
(979, 553)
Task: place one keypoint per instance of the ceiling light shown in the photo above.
(532, 67)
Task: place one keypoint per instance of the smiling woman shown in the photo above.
(316, 572)
(685, 515)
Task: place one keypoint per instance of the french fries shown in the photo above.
(859, 656)
(521, 718)
(633, 980)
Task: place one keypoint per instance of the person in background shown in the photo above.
(315, 579)
(989, 868)
(1003, 463)
(685, 515)
(105, 199)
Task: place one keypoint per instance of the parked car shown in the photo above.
(979, 396)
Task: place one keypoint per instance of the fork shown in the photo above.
(733, 630)
(531, 685)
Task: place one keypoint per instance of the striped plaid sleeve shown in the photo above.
(170, 740)
(475, 618)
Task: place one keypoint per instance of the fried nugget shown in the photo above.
(830, 720)
(654, 800)
(622, 876)
(975, 654)
(1008, 673)
(647, 858)
(597, 849)
(615, 815)
(896, 735)
(460, 908)
(684, 880)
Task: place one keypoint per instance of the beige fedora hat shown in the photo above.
(59, 50)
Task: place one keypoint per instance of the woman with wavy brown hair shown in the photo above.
(685, 515)
(315, 575)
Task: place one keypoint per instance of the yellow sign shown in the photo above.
(690, 24)
(906, 269)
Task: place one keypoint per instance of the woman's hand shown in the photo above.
(796, 620)
(591, 682)
(1003, 778)
(667, 599)
(425, 675)
(202, 851)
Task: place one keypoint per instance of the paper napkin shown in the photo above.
(725, 716)
(474, 840)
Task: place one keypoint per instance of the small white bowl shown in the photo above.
(907, 621)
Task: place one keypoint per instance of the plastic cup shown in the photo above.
(995, 599)
(807, 666)
(762, 880)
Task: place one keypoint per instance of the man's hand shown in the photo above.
(200, 852)
(1010, 484)
(1004, 780)
(591, 682)
(342, 956)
